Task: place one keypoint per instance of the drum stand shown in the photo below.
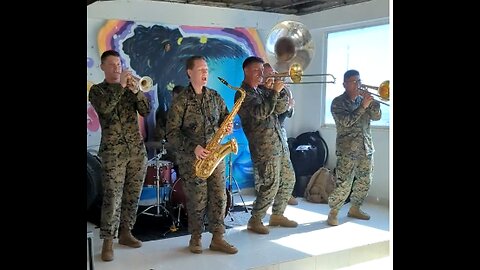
(232, 180)
(159, 204)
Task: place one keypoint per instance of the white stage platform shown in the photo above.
(354, 244)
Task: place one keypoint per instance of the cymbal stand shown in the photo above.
(232, 180)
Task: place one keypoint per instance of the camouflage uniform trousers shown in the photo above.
(205, 197)
(284, 134)
(347, 168)
(274, 181)
(123, 179)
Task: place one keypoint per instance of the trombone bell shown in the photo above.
(383, 91)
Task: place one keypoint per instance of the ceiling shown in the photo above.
(291, 7)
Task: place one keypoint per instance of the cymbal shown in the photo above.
(155, 144)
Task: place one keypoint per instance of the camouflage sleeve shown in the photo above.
(254, 107)
(142, 103)
(174, 125)
(104, 102)
(374, 111)
(343, 116)
(290, 113)
(282, 102)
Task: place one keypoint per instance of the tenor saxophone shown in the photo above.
(205, 167)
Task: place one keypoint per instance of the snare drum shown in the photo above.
(164, 167)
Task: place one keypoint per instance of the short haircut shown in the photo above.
(252, 60)
(108, 53)
(267, 65)
(191, 60)
(350, 73)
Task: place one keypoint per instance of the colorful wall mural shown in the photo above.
(160, 51)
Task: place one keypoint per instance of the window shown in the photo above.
(366, 50)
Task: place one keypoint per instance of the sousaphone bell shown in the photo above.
(290, 49)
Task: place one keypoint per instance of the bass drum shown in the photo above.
(178, 199)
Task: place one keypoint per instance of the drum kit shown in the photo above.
(170, 199)
(162, 177)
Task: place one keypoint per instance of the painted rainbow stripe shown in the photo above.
(112, 33)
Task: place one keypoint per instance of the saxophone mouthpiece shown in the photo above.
(223, 81)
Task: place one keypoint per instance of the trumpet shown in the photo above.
(143, 84)
(295, 73)
(383, 91)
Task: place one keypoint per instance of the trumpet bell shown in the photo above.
(289, 43)
(145, 84)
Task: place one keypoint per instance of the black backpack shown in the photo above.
(307, 160)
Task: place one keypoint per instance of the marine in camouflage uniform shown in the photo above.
(122, 152)
(192, 121)
(268, 70)
(353, 112)
(287, 166)
(273, 170)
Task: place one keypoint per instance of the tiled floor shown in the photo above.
(354, 244)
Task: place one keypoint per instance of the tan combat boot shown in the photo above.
(107, 250)
(280, 220)
(292, 201)
(355, 212)
(126, 238)
(219, 244)
(332, 217)
(256, 225)
(195, 244)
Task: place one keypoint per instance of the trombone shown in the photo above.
(383, 91)
(296, 73)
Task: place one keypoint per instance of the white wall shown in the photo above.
(309, 98)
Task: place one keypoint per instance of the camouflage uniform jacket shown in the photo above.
(259, 117)
(117, 109)
(288, 113)
(353, 125)
(193, 120)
